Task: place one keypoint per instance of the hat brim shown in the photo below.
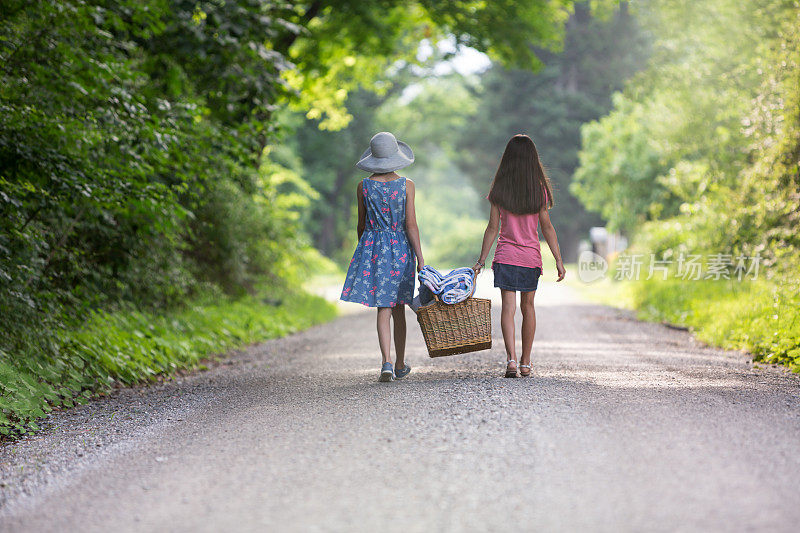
(401, 159)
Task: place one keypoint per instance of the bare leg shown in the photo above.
(384, 332)
(528, 325)
(507, 323)
(399, 319)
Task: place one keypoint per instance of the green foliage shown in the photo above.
(453, 242)
(127, 347)
(128, 153)
(624, 153)
(760, 317)
(71, 116)
(132, 133)
(352, 44)
(449, 210)
(700, 152)
(444, 198)
(326, 159)
(508, 30)
(700, 155)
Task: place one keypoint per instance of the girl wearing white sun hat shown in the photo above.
(381, 273)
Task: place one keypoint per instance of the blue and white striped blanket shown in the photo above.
(452, 288)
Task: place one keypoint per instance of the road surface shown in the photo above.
(625, 426)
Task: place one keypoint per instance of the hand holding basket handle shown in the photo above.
(462, 327)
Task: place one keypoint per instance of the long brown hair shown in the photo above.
(520, 183)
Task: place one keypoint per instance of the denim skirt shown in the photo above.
(516, 278)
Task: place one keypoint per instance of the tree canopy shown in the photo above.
(700, 150)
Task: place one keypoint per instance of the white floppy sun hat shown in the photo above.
(385, 154)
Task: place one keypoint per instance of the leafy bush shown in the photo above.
(131, 178)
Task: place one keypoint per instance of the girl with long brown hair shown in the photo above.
(520, 196)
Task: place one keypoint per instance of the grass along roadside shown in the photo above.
(133, 347)
(758, 316)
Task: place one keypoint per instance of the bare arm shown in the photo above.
(549, 233)
(489, 236)
(362, 210)
(412, 230)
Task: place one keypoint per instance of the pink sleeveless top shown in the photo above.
(518, 243)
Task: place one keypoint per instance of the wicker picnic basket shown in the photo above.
(457, 328)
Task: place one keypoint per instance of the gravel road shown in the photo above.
(625, 426)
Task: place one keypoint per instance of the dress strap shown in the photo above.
(363, 194)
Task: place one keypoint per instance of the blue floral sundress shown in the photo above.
(381, 273)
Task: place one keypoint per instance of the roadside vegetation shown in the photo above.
(700, 155)
(760, 317)
(127, 347)
(757, 316)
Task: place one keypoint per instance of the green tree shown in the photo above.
(445, 198)
(699, 152)
(132, 132)
(618, 176)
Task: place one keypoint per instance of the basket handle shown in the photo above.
(474, 284)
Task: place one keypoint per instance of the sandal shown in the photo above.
(524, 374)
(509, 372)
